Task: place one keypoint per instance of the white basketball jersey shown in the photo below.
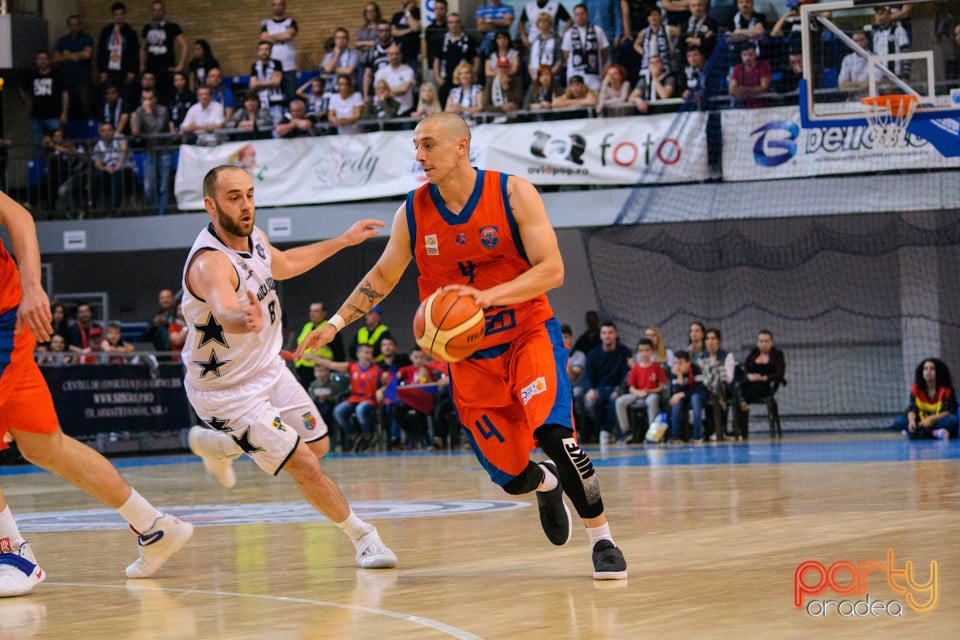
(215, 358)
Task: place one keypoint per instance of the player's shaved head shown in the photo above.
(210, 180)
(452, 125)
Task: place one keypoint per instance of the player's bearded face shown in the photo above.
(241, 225)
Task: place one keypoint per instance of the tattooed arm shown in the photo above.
(374, 286)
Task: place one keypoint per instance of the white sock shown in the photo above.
(549, 482)
(138, 512)
(354, 527)
(10, 538)
(596, 534)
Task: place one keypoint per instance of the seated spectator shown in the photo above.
(656, 40)
(854, 75)
(697, 347)
(576, 95)
(114, 174)
(932, 409)
(400, 79)
(266, 77)
(201, 62)
(346, 106)
(466, 96)
(789, 81)
(719, 369)
(695, 78)
(655, 84)
(61, 326)
(56, 354)
(113, 342)
(416, 398)
(364, 377)
(181, 100)
(159, 327)
(253, 120)
(429, 101)
(606, 368)
(661, 354)
(204, 118)
(614, 87)
(382, 105)
(644, 384)
(765, 368)
(687, 393)
(492, 20)
(502, 51)
(375, 58)
(221, 94)
(314, 97)
(327, 390)
(115, 109)
(61, 187)
(504, 90)
(545, 47)
(339, 60)
(750, 78)
(295, 122)
(542, 91)
(85, 335)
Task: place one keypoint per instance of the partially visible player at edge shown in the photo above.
(487, 235)
(27, 417)
(235, 379)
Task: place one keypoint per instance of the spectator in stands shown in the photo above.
(699, 30)
(158, 330)
(71, 56)
(371, 333)
(542, 90)
(48, 97)
(253, 120)
(504, 89)
(932, 409)
(457, 48)
(719, 370)
(695, 78)
(544, 48)
(118, 50)
(56, 355)
(313, 95)
(376, 58)
(148, 82)
(405, 29)
(750, 78)
(608, 15)
(502, 50)
(467, 96)
(364, 376)
(789, 81)
(400, 79)
(676, 11)
(84, 335)
(220, 93)
(527, 24)
(266, 78)
(204, 118)
(434, 34)
(614, 88)
(340, 59)
(492, 19)
(890, 37)
(367, 31)
(152, 126)
(576, 95)
(158, 49)
(654, 84)
(697, 347)
(388, 404)
(115, 109)
(661, 354)
(326, 390)
(61, 326)
(585, 49)
(295, 123)
(280, 31)
(687, 393)
(854, 75)
(655, 40)
(200, 64)
(113, 342)
(114, 170)
(64, 178)
(428, 102)
(382, 105)
(346, 106)
(333, 350)
(416, 404)
(181, 100)
(747, 24)
(590, 338)
(644, 384)
(606, 368)
(765, 368)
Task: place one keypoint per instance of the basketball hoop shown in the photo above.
(888, 117)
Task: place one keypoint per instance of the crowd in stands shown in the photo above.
(157, 90)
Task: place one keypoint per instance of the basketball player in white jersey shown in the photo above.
(235, 379)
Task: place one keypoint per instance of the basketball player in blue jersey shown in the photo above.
(487, 235)
(235, 379)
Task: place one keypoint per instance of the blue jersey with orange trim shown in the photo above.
(480, 247)
(9, 281)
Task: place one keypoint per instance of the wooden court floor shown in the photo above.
(713, 535)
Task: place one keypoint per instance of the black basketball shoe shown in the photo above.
(554, 514)
(608, 562)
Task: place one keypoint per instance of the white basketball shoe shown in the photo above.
(373, 554)
(219, 466)
(19, 572)
(167, 536)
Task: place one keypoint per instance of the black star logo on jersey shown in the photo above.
(244, 443)
(211, 331)
(212, 365)
(216, 423)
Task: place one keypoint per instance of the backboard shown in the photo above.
(857, 48)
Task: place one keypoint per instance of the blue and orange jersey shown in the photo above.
(9, 281)
(480, 247)
(363, 383)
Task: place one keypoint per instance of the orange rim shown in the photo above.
(897, 104)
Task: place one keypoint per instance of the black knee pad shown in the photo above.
(577, 475)
(526, 482)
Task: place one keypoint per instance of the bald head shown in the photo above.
(449, 125)
(212, 177)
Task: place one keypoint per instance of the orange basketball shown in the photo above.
(448, 326)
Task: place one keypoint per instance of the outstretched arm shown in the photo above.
(34, 310)
(212, 277)
(293, 262)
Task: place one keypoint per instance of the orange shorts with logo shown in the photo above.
(505, 393)
(25, 400)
